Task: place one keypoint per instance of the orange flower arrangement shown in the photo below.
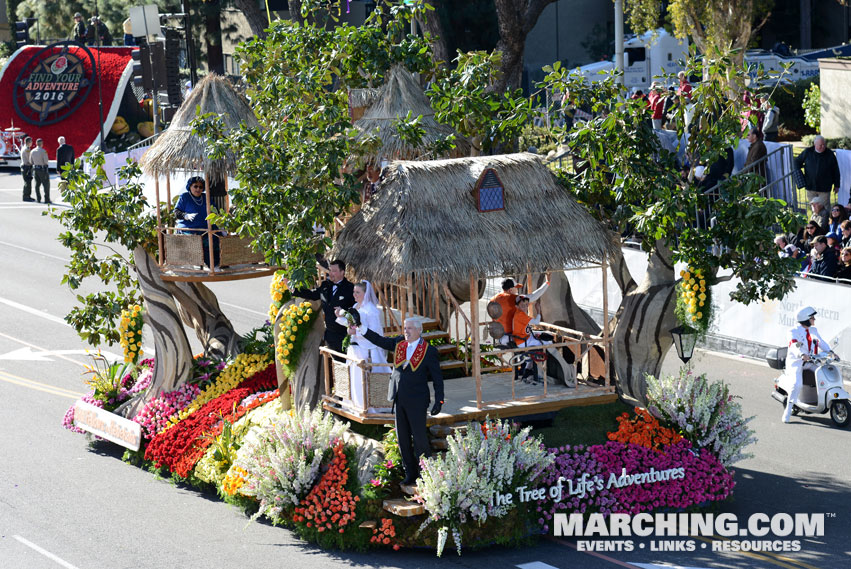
(234, 480)
(644, 429)
(329, 505)
(384, 534)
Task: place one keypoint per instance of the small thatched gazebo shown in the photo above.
(400, 94)
(469, 218)
(179, 149)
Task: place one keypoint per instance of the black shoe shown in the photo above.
(408, 481)
(29, 200)
(48, 202)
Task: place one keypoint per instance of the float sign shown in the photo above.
(53, 83)
(107, 425)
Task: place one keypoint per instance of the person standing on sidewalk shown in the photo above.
(821, 171)
(40, 172)
(27, 169)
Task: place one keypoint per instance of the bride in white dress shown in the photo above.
(366, 303)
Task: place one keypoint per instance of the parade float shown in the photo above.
(254, 425)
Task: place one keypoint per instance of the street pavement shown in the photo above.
(66, 503)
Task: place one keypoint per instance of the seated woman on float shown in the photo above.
(191, 214)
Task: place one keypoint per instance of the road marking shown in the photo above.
(592, 553)
(536, 565)
(31, 384)
(266, 314)
(28, 250)
(33, 311)
(45, 552)
(654, 566)
(61, 357)
(28, 354)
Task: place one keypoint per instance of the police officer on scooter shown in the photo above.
(804, 343)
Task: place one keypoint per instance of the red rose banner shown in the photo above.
(80, 128)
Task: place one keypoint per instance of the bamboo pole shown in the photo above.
(606, 320)
(474, 337)
(160, 244)
(409, 282)
(168, 189)
(212, 259)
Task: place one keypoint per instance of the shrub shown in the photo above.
(790, 99)
(705, 413)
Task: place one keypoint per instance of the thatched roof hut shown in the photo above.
(402, 93)
(425, 219)
(177, 148)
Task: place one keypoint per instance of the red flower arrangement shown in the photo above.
(81, 128)
(644, 429)
(329, 506)
(384, 534)
(180, 447)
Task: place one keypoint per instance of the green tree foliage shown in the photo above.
(102, 218)
(56, 19)
(812, 107)
(294, 172)
(715, 26)
(627, 179)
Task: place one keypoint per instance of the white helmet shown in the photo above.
(805, 314)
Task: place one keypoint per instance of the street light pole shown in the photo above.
(619, 40)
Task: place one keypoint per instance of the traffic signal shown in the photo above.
(142, 72)
(22, 34)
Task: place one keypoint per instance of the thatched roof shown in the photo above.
(363, 97)
(424, 219)
(402, 93)
(177, 148)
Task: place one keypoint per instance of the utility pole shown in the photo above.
(619, 66)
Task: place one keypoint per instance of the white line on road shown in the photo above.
(245, 309)
(33, 311)
(536, 565)
(27, 249)
(45, 552)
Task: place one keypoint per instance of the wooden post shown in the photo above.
(403, 301)
(474, 337)
(160, 244)
(410, 294)
(212, 259)
(606, 319)
(168, 189)
(327, 366)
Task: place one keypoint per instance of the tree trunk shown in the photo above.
(257, 19)
(199, 308)
(213, 38)
(434, 25)
(173, 365)
(559, 308)
(307, 383)
(515, 18)
(641, 334)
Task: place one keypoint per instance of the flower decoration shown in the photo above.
(644, 429)
(280, 294)
(329, 506)
(130, 331)
(694, 300)
(291, 335)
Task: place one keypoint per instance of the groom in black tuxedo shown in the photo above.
(414, 363)
(334, 292)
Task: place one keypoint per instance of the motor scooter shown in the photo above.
(822, 390)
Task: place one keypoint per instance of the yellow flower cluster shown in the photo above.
(240, 369)
(234, 480)
(693, 291)
(276, 291)
(294, 316)
(130, 330)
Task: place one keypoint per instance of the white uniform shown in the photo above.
(802, 341)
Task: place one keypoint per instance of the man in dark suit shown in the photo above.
(414, 363)
(64, 155)
(335, 292)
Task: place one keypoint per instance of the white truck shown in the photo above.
(649, 56)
